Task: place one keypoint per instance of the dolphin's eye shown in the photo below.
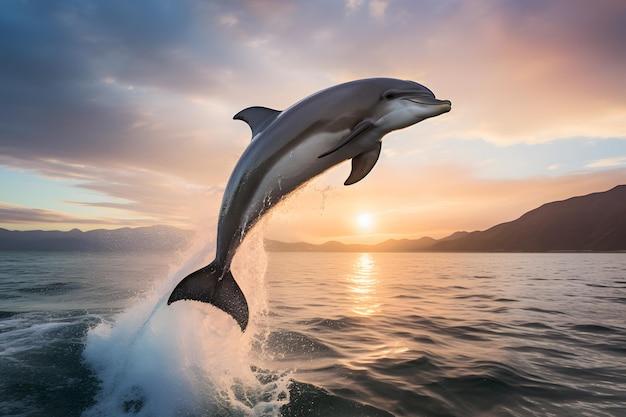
(391, 94)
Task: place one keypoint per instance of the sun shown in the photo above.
(365, 221)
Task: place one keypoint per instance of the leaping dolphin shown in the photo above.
(290, 147)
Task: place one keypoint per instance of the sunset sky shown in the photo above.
(119, 113)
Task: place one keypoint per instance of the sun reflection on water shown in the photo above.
(362, 284)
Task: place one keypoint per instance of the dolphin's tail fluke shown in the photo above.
(214, 286)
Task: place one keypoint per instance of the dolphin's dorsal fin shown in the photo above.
(362, 164)
(360, 127)
(257, 117)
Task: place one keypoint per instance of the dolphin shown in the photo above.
(289, 148)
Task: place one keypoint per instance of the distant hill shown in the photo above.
(594, 222)
(154, 238)
(391, 245)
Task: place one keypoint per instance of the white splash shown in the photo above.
(188, 358)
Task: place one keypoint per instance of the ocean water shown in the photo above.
(331, 334)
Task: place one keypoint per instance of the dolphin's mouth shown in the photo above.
(429, 101)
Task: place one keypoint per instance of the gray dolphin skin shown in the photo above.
(291, 147)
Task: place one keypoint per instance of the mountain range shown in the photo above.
(153, 238)
(594, 222)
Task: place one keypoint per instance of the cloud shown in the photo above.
(378, 7)
(12, 214)
(353, 5)
(608, 162)
(515, 71)
(127, 195)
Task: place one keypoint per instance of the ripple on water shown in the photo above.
(52, 288)
(289, 345)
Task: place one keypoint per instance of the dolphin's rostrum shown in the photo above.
(291, 147)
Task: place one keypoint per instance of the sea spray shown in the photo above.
(189, 358)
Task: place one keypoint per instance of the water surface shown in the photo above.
(332, 334)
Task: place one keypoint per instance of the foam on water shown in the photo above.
(188, 358)
(17, 334)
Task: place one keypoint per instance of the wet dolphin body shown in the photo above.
(291, 147)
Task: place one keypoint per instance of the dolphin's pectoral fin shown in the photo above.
(258, 118)
(210, 285)
(362, 126)
(362, 164)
